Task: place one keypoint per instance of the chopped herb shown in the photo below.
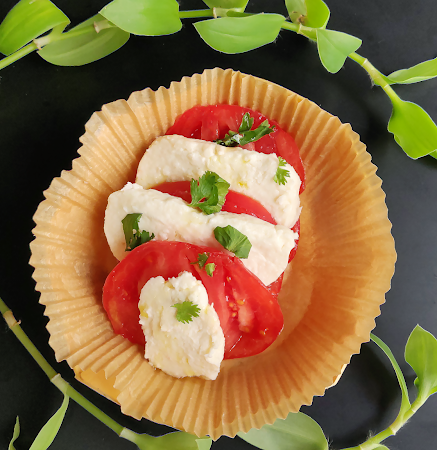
(186, 311)
(281, 174)
(245, 135)
(209, 192)
(132, 233)
(209, 269)
(233, 240)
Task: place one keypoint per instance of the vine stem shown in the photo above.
(63, 385)
(8, 60)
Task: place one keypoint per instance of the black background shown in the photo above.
(43, 109)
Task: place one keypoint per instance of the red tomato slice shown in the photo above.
(249, 315)
(213, 122)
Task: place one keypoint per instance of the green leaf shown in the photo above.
(185, 311)
(144, 17)
(27, 20)
(209, 269)
(413, 128)
(49, 431)
(15, 435)
(245, 135)
(132, 234)
(334, 47)
(209, 192)
(420, 72)
(177, 440)
(311, 13)
(82, 45)
(240, 34)
(281, 174)
(237, 5)
(233, 240)
(421, 355)
(405, 402)
(297, 432)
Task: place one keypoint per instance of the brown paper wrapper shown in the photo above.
(332, 290)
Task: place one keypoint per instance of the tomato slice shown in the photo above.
(249, 314)
(214, 121)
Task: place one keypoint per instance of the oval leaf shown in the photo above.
(413, 129)
(238, 5)
(240, 34)
(49, 431)
(405, 402)
(297, 432)
(79, 49)
(334, 47)
(178, 440)
(15, 435)
(297, 10)
(27, 20)
(144, 17)
(317, 14)
(420, 72)
(421, 355)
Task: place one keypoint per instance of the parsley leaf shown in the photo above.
(201, 261)
(186, 311)
(209, 192)
(233, 240)
(209, 269)
(132, 233)
(281, 174)
(245, 134)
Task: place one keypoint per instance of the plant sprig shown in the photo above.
(227, 29)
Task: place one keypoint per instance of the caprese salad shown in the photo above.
(203, 237)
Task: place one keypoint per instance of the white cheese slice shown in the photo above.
(180, 349)
(171, 219)
(177, 158)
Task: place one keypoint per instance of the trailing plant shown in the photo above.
(297, 432)
(39, 25)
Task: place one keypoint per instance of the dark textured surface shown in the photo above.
(43, 110)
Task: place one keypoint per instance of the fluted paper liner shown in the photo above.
(332, 291)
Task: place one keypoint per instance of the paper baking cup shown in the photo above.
(332, 291)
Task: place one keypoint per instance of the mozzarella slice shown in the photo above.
(171, 219)
(177, 158)
(180, 349)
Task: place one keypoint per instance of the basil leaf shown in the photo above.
(144, 17)
(49, 431)
(209, 192)
(334, 47)
(240, 34)
(209, 269)
(79, 49)
(237, 5)
(311, 13)
(297, 432)
(185, 311)
(132, 234)
(27, 20)
(15, 435)
(420, 72)
(234, 241)
(421, 355)
(281, 173)
(413, 128)
(405, 402)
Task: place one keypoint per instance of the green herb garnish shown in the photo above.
(281, 174)
(233, 240)
(186, 310)
(209, 192)
(201, 261)
(245, 135)
(132, 234)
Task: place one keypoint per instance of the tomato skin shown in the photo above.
(249, 314)
(212, 122)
